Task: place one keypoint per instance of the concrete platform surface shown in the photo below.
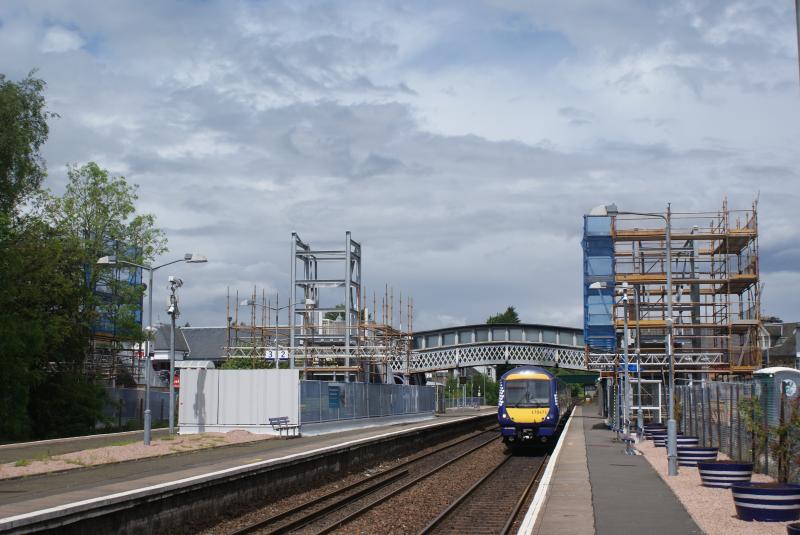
(596, 488)
(35, 493)
(10, 453)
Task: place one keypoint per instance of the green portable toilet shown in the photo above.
(769, 382)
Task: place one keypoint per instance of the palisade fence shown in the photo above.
(127, 405)
(743, 421)
(326, 401)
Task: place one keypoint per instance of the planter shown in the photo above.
(661, 441)
(793, 528)
(690, 455)
(723, 474)
(766, 502)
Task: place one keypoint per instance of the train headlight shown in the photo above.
(505, 415)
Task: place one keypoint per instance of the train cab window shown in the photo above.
(523, 393)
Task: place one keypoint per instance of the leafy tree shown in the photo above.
(24, 130)
(509, 316)
(333, 316)
(97, 214)
(245, 363)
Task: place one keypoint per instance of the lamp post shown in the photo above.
(672, 442)
(639, 411)
(174, 284)
(626, 416)
(112, 260)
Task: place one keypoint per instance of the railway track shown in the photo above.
(493, 503)
(330, 511)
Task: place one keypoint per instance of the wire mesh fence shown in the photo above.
(469, 402)
(325, 401)
(748, 422)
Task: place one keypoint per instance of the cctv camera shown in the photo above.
(171, 310)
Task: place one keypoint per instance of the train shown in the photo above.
(533, 404)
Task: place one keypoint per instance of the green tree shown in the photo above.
(97, 215)
(334, 315)
(24, 130)
(509, 316)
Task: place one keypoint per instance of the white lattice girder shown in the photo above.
(493, 353)
(605, 361)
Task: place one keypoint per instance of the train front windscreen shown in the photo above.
(522, 393)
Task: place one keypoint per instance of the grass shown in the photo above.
(75, 461)
(22, 462)
(167, 438)
(123, 442)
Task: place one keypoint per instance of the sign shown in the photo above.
(334, 394)
(631, 368)
(282, 354)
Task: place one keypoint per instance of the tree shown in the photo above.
(24, 130)
(334, 315)
(509, 316)
(97, 215)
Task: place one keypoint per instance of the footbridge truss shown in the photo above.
(488, 345)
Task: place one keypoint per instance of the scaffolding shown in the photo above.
(330, 334)
(715, 286)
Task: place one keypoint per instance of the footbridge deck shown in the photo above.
(488, 345)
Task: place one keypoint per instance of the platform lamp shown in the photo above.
(600, 285)
(112, 260)
(611, 210)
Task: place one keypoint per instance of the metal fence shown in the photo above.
(128, 405)
(741, 419)
(325, 401)
(464, 402)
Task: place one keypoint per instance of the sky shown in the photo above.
(460, 142)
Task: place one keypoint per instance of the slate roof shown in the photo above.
(206, 343)
(161, 342)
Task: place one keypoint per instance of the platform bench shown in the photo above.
(282, 424)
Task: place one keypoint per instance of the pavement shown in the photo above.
(596, 488)
(34, 493)
(58, 446)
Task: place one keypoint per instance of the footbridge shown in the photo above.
(488, 345)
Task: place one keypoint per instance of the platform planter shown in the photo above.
(691, 455)
(793, 528)
(723, 474)
(661, 441)
(766, 502)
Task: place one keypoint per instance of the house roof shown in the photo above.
(161, 342)
(206, 343)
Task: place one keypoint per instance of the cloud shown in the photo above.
(460, 144)
(58, 39)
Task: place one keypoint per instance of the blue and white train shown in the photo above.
(532, 404)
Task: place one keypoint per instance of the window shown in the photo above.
(515, 334)
(418, 341)
(527, 393)
(532, 335)
(465, 337)
(548, 336)
(482, 335)
(432, 340)
(449, 339)
(499, 334)
(579, 340)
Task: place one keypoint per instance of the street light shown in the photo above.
(672, 441)
(112, 260)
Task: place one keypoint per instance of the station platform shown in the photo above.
(59, 491)
(594, 488)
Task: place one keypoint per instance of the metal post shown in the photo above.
(148, 370)
(277, 319)
(626, 376)
(292, 300)
(797, 19)
(639, 411)
(672, 438)
(347, 305)
(172, 371)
